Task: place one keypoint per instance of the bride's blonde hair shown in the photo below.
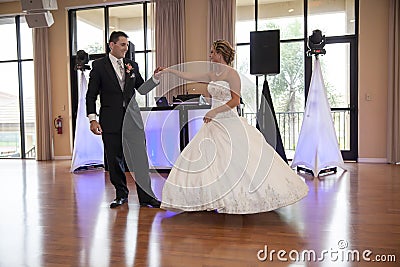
(225, 49)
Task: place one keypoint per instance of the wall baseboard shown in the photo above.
(62, 157)
(372, 160)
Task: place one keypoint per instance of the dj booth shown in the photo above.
(168, 130)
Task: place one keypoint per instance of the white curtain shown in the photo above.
(221, 21)
(88, 147)
(317, 147)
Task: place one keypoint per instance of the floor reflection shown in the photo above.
(126, 236)
(214, 237)
(51, 217)
(21, 231)
(328, 222)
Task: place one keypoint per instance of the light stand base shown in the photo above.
(326, 171)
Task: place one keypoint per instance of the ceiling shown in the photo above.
(240, 2)
(251, 2)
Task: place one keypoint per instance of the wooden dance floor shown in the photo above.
(51, 217)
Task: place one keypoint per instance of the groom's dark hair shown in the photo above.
(115, 36)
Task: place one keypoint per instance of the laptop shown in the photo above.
(161, 101)
(189, 99)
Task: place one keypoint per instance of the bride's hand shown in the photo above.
(157, 72)
(209, 116)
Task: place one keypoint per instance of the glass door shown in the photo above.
(339, 70)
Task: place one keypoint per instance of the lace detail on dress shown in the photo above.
(221, 94)
(229, 167)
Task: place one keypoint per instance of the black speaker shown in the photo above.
(265, 52)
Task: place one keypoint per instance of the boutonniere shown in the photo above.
(129, 69)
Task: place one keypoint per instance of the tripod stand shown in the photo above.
(267, 123)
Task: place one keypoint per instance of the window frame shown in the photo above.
(19, 60)
(351, 39)
(72, 22)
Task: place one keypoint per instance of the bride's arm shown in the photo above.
(190, 76)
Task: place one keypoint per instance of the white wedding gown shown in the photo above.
(229, 167)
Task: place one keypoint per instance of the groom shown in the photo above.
(116, 79)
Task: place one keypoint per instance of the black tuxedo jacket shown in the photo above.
(103, 81)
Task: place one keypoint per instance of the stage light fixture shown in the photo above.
(316, 43)
(81, 60)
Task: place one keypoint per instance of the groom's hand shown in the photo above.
(95, 127)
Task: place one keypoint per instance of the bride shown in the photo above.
(228, 166)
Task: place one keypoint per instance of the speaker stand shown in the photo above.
(267, 123)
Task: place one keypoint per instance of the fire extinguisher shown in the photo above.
(58, 124)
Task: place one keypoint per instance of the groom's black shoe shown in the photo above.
(154, 203)
(118, 202)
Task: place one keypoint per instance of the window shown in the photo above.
(17, 95)
(333, 18)
(337, 20)
(92, 21)
(286, 16)
(134, 19)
